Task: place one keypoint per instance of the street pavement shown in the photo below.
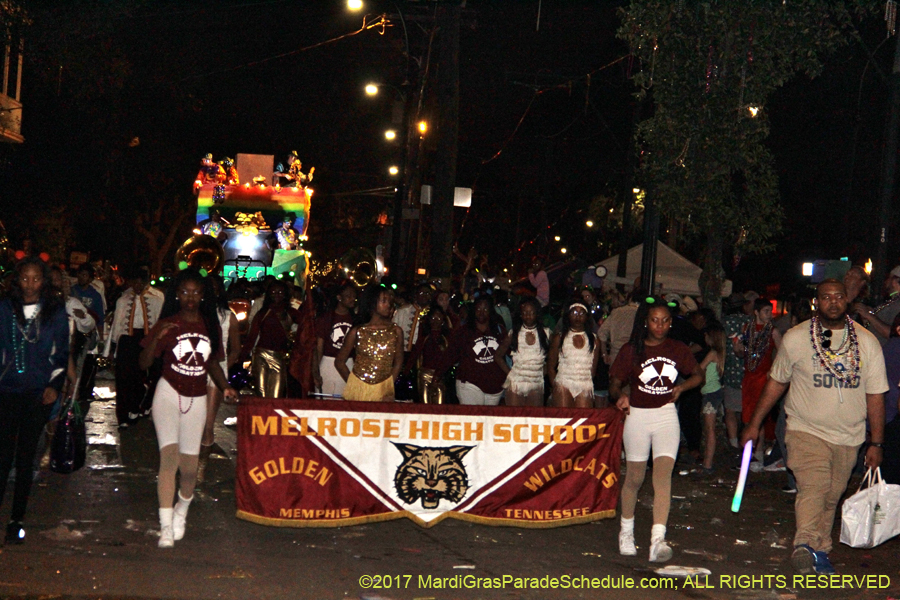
(93, 534)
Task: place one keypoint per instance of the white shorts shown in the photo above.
(332, 382)
(471, 394)
(182, 425)
(651, 427)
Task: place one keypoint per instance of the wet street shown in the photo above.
(93, 534)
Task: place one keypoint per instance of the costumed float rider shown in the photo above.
(286, 237)
(292, 176)
(229, 172)
(209, 173)
(213, 226)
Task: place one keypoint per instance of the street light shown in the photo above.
(371, 89)
(393, 170)
(557, 238)
(423, 127)
(589, 223)
(390, 135)
(354, 5)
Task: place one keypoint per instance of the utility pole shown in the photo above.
(651, 233)
(888, 173)
(447, 17)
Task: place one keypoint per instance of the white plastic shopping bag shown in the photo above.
(871, 516)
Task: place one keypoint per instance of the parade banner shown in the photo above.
(307, 463)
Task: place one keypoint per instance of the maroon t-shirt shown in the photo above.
(333, 327)
(652, 380)
(186, 351)
(475, 352)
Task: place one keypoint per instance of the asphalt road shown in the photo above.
(93, 534)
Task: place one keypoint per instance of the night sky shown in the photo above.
(187, 78)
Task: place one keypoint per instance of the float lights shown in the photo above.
(636, 190)
(393, 170)
(754, 110)
(557, 238)
(868, 266)
(161, 278)
(423, 127)
(421, 272)
(371, 89)
(807, 269)
(589, 223)
(354, 5)
(197, 232)
(390, 134)
(393, 286)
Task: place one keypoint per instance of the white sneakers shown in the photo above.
(660, 551)
(166, 533)
(626, 543)
(179, 520)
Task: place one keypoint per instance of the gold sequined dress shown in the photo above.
(371, 378)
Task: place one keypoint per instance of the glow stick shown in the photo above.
(742, 478)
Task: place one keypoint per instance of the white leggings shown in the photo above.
(651, 427)
(178, 419)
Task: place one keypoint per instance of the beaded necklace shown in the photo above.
(833, 360)
(18, 341)
(756, 343)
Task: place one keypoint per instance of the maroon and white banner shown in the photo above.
(306, 463)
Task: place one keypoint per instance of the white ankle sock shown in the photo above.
(627, 525)
(657, 532)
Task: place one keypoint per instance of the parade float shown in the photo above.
(251, 219)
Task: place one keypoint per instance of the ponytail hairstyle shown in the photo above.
(588, 323)
(716, 334)
(517, 326)
(639, 330)
(208, 311)
(368, 299)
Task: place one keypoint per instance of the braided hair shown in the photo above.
(639, 331)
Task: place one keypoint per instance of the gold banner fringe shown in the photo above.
(392, 516)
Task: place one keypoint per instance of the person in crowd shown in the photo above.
(268, 342)
(479, 380)
(713, 367)
(537, 276)
(615, 331)
(408, 316)
(878, 320)
(759, 342)
(429, 353)
(650, 365)
(595, 307)
(94, 302)
(733, 379)
(890, 466)
(834, 375)
(34, 346)
(572, 360)
(379, 349)
(856, 281)
(501, 300)
(331, 330)
(688, 327)
(527, 343)
(81, 325)
(188, 339)
(137, 311)
(231, 340)
(442, 297)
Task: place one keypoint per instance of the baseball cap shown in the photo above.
(895, 272)
(750, 296)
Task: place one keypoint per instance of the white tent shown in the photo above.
(674, 273)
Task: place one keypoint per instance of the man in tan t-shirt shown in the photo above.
(837, 380)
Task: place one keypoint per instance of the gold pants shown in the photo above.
(269, 369)
(428, 395)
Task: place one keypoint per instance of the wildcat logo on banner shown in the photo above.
(331, 464)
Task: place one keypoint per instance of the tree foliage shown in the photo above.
(709, 69)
